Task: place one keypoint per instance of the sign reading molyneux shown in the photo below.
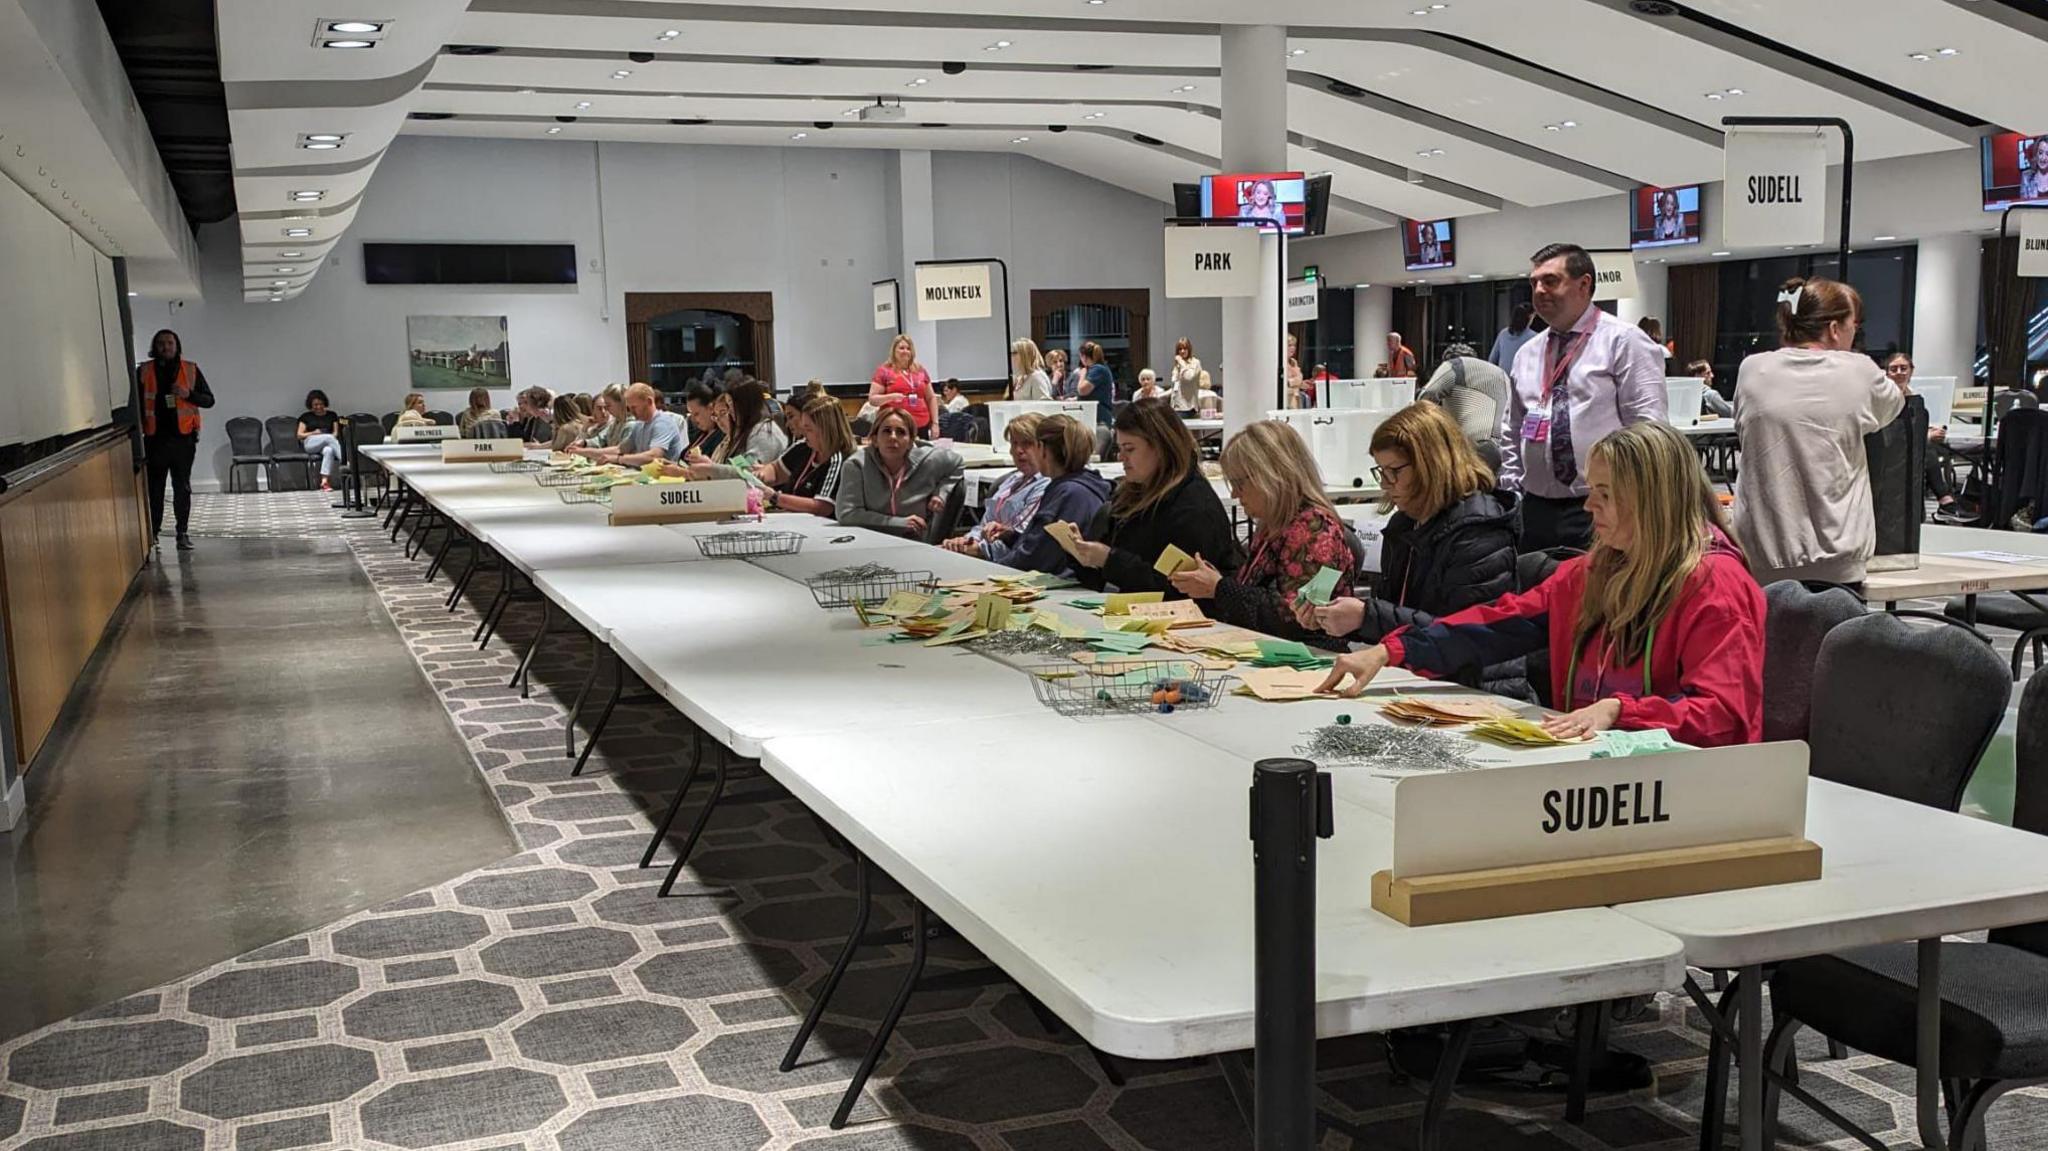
(953, 292)
(885, 306)
(1302, 298)
(1775, 188)
(1614, 275)
(1205, 263)
(2034, 243)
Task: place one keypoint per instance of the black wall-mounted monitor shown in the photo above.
(1317, 219)
(469, 263)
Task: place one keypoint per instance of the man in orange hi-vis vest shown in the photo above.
(172, 389)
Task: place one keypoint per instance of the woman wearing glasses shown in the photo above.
(897, 482)
(1449, 545)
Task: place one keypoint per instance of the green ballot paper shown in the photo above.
(1321, 587)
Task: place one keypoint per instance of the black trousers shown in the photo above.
(170, 458)
(1549, 523)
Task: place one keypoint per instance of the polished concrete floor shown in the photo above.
(253, 754)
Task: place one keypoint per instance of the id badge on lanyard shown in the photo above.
(1536, 425)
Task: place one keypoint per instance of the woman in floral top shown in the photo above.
(1296, 534)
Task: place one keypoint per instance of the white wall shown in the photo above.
(54, 288)
(810, 225)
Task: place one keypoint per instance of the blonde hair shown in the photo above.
(1270, 457)
(1028, 360)
(907, 342)
(1156, 424)
(412, 398)
(1659, 485)
(1446, 468)
(1068, 446)
(831, 436)
(1023, 429)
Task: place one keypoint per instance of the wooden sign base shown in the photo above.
(668, 516)
(1425, 900)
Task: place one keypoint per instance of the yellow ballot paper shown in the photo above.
(992, 613)
(1179, 613)
(1120, 603)
(1173, 560)
(904, 603)
(1064, 534)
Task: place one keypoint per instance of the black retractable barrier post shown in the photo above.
(1290, 811)
(1278, 231)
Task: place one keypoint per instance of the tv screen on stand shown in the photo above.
(1279, 197)
(1427, 245)
(2015, 170)
(1661, 217)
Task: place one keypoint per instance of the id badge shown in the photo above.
(1536, 428)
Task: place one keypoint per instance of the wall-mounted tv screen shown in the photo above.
(1281, 197)
(2015, 170)
(1427, 244)
(1316, 217)
(1661, 217)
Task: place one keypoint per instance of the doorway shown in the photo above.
(1119, 319)
(675, 339)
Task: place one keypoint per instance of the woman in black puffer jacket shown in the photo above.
(1450, 544)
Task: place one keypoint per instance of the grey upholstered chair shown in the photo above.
(1796, 621)
(1905, 709)
(1994, 1015)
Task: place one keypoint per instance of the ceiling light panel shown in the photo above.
(350, 33)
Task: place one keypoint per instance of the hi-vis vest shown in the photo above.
(188, 415)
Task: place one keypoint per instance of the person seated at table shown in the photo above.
(1009, 511)
(950, 397)
(413, 412)
(1295, 535)
(1163, 499)
(803, 478)
(530, 418)
(1711, 399)
(897, 481)
(608, 422)
(1450, 543)
(569, 423)
(744, 427)
(317, 436)
(479, 409)
(1074, 494)
(1148, 386)
(1941, 484)
(653, 434)
(1659, 626)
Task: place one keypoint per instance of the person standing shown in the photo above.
(1400, 363)
(1028, 380)
(173, 390)
(1590, 376)
(1098, 383)
(1802, 499)
(1511, 338)
(903, 382)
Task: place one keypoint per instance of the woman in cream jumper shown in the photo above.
(1802, 501)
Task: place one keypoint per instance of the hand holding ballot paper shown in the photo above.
(1085, 552)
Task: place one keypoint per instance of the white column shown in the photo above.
(914, 215)
(1254, 140)
(1372, 317)
(1653, 296)
(1945, 291)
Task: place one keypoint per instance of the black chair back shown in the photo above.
(941, 526)
(2030, 795)
(367, 429)
(1903, 709)
(1796, 621)
(2007, 399)
(245, 438)
(283, 433)
(2022, 464)
(488, 430)
(389, 420)
(445, 419)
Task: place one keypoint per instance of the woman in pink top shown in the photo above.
(903, 381)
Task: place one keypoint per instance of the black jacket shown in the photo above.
(1464, 555)
(1075, 497)
(1190, 517)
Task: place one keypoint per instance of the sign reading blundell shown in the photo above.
(1204, 263)
(953, 292)
(2034, 243)
(1774, 188)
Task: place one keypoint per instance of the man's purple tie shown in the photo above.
(1563, 463)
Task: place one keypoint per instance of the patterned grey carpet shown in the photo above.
(551, 1001)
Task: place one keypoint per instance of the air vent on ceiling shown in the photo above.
(430, 116)
(795, 61)
(565, 119)
(472, 49)
(1055, 127)
(640, 57)
(1659, 8)
(1093, 67)
(1351, 91)
(933, 124)
(690, 121)
(1142, 138)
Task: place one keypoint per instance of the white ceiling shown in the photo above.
(1476, 79)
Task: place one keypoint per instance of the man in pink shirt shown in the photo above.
(1590, 375)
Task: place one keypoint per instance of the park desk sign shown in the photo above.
(1592, 833)
(482, 451)
(1774, 188)
(2034, 242)
(1207, 263)
(953, 292)
(682, 503)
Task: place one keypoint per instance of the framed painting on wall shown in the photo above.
(458, 352)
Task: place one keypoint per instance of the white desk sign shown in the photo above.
(1775, 188)
(1206, 263)
(1614, 275)
(481, 451)
(678, 503)
(1303, 296)
(953, 292)
(423, 433)
(885, 306)
(1544, 837)
(2034, 242)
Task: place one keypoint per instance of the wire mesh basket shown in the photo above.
(1072, 689)
(573, 496)
(561, 478)
(865, 584)
(510, 466)
(742, 544)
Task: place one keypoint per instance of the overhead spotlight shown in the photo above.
(555, 131)
(670, 34)
(622, 73)
(798, 135)
(582, 104)
(355, 27)
(291, 255)
(348, 44)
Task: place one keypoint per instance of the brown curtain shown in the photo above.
(636, 351)
(1695, 311)
(1411, 319)
(2005, 316)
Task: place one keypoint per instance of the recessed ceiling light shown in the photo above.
(1735, 92)
(1713, 95)
(526, 91)
(1185, 88)
(354, 27)
(582, 104)
(1570, 123)
(1021, 140)
(798, 135)
(1418, 12)
(1095, 115)
(1095, 3)
(286, 271)
(555, 131)
(279, 283)
(298, 233)
(1430, 152)
(855, 111)
(323, 138)
(291, 255)
(1297, 51)
(1476, 276)
(1945, 51)
(132, 295)
(919, 82)
(348, 43)
(1723, 253)
(671, 34)
(1921, 56)
(1791, 247)
(622, 73)
(304, 197)
(1883, 239)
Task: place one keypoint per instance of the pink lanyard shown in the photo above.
(896, 485)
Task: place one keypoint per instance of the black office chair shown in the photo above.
(940, 528)
(1994, 995)
(488, 430)
(445, 419)
(1796, 620)
(285, 450)
(245, 448)
(389, 420)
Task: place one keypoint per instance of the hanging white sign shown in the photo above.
(953, 292)
(1774, 189)
(1203, 263)
(885, 306)
(1302, 298)
(1614, 275)
(2034, 243)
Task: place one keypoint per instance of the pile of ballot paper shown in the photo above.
(1446, 710)
(1288, 653)
(1519, 732)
